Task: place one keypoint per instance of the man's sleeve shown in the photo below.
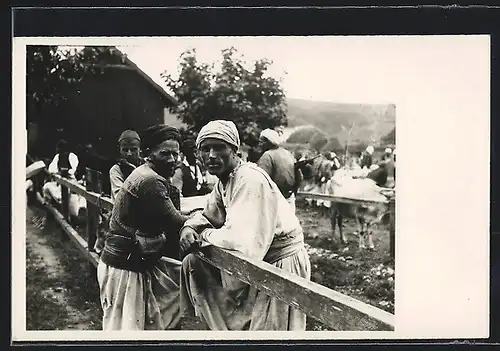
(116, 180)
(250, 219)
(266, 163)
(213, 215)
(156, 200)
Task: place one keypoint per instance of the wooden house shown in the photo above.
(121, 97)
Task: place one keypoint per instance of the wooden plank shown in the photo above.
(392, 227)
(338, 311)
(338, 199)
(193, 202)
(65, 202)
(73, 235)
(92, 227)
(187, 204)
(104, 66)
(94, 198)
(34, 169)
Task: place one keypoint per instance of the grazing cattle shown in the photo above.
(361, 184)
(365, 215)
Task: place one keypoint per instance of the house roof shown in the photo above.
(154, 82)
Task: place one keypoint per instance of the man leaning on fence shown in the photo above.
(139, 291)
(245, 212)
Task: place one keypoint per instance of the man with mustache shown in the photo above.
(245, 212)
(137, 290)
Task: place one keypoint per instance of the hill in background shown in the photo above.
(307, 118)
(371, 122)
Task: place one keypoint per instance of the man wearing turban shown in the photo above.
(279, 163)
(367, 157)
(245, 212)
(138, 291)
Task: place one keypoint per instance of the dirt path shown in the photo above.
(49, 301)
(62, 293)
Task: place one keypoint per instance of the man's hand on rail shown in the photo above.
(189, 240)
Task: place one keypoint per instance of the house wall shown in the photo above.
(107, 104)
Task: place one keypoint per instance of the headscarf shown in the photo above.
(159, 133)
(388, 150)
(129, 135)
(370, 149)
(219, 129)
(271, 135)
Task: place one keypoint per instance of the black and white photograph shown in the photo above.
(243, 184)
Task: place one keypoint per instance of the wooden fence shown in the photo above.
(337, 311)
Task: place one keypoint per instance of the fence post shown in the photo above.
(392, 226)
(65, 197)
(91, 185)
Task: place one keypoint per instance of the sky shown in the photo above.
(351, 69)
(336, 69)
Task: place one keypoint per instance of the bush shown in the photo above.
(318, 141)
(303, 135)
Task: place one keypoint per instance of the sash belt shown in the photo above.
(283, 247)
(123, 252)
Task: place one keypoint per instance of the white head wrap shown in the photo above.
(271, 135)
(388, 150)
(370, 149)
(219, 129)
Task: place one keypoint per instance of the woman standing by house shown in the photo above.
(138, 291)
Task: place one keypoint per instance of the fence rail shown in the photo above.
(336, 310)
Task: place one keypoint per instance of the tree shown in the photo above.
(52, 74)
(248, 97)
(318, 141)
(389, 138)
(302, 135)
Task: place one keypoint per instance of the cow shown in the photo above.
(366, 215)
(368, 182)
